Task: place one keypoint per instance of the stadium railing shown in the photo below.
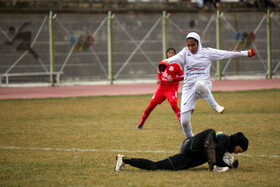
(6, 76)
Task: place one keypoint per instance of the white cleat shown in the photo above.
(220, 169)
(220, 109)
(120, 163)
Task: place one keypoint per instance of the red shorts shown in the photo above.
(161, 95)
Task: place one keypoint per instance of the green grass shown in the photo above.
(107, 125)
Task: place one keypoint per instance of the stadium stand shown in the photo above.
(99, 6)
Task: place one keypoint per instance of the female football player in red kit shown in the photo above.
(168, 80)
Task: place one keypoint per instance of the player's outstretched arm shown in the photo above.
(217, 54)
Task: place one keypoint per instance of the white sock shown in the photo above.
(210, 99)
(186, 124)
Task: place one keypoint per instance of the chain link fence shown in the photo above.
(81, 45)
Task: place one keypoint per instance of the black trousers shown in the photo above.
(193, 153)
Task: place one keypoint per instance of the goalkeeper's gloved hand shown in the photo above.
(235, 164)
(251, 52)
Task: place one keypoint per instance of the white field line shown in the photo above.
(117, 151)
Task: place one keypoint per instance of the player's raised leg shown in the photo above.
(203, 90)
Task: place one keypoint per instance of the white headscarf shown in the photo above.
(197, 37)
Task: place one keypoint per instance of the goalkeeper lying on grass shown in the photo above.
(206, 146)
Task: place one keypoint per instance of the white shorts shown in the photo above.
(189, 95)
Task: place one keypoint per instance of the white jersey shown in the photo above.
(197, 66)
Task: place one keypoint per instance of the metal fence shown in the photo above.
(100, 47)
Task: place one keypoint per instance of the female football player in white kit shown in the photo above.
(197, 61)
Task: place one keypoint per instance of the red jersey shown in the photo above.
(177, 74)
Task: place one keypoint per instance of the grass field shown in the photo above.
(74, 141)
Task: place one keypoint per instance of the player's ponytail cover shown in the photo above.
(193, 35)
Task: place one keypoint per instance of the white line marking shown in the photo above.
(267, 156)
(118, 151)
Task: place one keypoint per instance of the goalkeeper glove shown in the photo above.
(251, 52)
(228, 159)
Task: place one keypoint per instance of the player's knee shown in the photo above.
(201, 87)
(152, 106)
(174, 106)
